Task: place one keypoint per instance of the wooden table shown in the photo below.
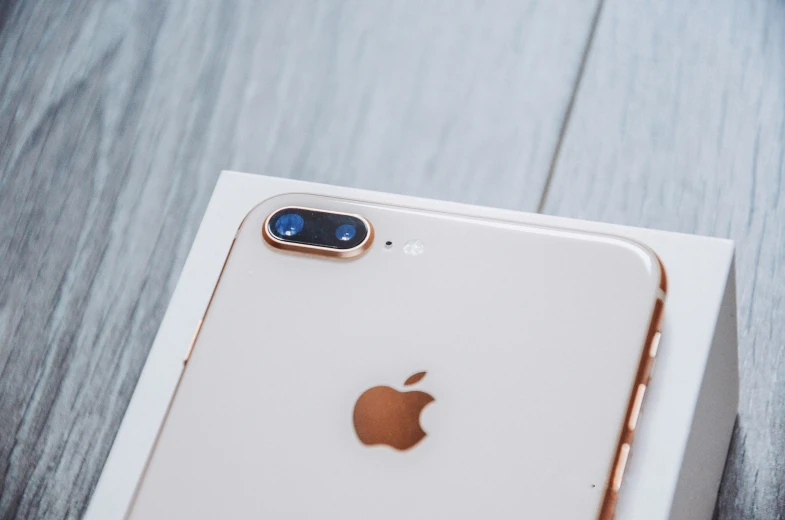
(117, 116)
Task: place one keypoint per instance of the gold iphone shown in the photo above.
(367, 361)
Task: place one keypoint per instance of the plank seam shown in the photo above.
(568, 112)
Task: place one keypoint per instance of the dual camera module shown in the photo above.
(302, 228)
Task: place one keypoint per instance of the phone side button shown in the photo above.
(621, 465)
(636, 407)
(653, 349)
(655, 344)
(193, 342)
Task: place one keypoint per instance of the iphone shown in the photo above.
(359, 360)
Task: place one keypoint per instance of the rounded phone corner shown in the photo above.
(655, 264)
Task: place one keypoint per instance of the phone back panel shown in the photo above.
(530, 339)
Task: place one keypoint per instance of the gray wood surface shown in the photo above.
(117, 116)
(679, 124)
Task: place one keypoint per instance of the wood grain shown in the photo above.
(117, 116)
(679, 124)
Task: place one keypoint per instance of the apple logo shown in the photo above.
(386, 416)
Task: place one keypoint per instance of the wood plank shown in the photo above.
(116, 118)
(679, 124)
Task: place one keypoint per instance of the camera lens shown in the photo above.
(289, 224)
(303, 229)
(345, 232)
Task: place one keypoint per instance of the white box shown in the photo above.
(683, 437)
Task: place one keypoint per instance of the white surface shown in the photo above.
(698, 269)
